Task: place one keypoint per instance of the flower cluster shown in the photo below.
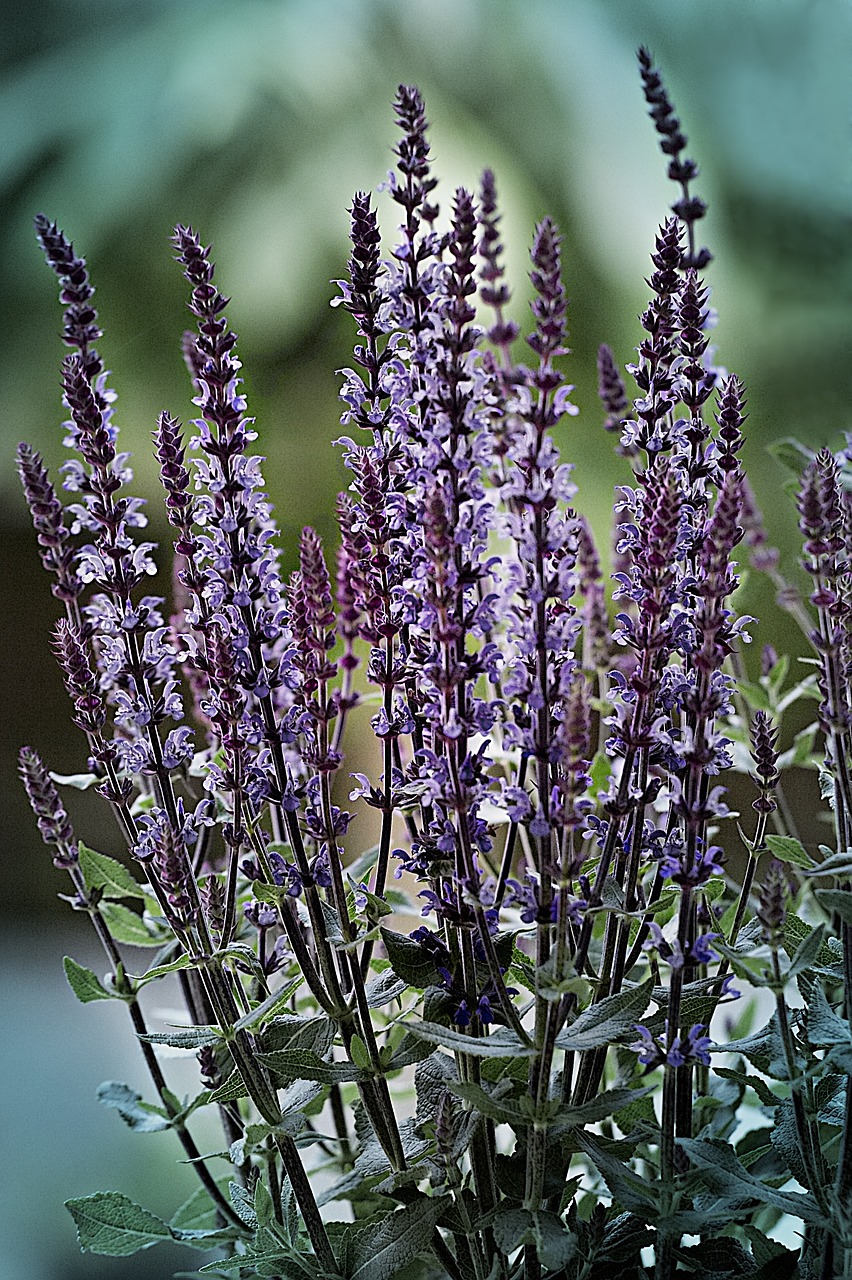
(548, 779)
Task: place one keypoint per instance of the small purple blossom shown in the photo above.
(652, 1050)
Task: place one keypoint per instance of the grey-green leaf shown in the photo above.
(555, 1244)
(382, 1252)
(184, 1037)
(139, 1115)
(836, 900)
(299, 1064)
(501, 1044)
(107, 874)
(789, 850)
(128, 927)
(409, 961)
(108, 1222)
(85, 984)
(728, 1177)
(608, 1020)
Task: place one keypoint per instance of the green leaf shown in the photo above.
(778, 674)
(633, 1193)
(303, 1065)
(728, 1177)
(410, 1049)
(184, 1037)
(789, 850)
(600, 772)
(243, 1204)
(763, 1049)
(160, 970)
(761, 1088)
(837, 901)
(108, 1222)
(385, 988)
(609, 1103)
(139, 1115)
(79, 781)
(409, 960)
(107, 874)
(755, 695)
(606, 1021)
(795, 931)
(807, 952)
(263, 1208)
(501, 1044)
(837, 864)
(792, 455)
(824, 1026)
(126, 926)
(381, 1252)
(360, 1054)
(554, 1243)
(502, 1111)
(262, 1011)
(85, 985)
(233, 1088)
(314, 1034)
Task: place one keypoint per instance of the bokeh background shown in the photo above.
(255, 120)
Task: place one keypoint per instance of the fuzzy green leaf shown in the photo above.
(761, 1088)
(608, 1020)
(108, 875)
(140, 1116)
(807, 952)
(824, 1026)
(297, 1064)
(755, 695)
(316, 1035)
(79, 781)
(184, 1037)
(108, 1222)
(85, 984)
(160, 970)
(836, 864)
(128, 927)
(381, 1252)
(383, 989)
(501, 1044)
(409, 960)
(509, 1110)
(261, 1013)
(727, 1176)
(554, 1243)
(837, 901)
(789, 850)
(792, 455)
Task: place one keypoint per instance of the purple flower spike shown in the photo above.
(81, 319)
(611, 390)
(55, 549)
(53, 822)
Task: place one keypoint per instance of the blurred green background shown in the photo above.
(255, 120)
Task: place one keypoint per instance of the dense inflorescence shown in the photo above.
(548, 780)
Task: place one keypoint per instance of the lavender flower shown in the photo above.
(764, 753)
(673, 143)
(53, 822)
(55, 547)
(693, 1048)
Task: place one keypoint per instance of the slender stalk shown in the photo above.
(139, 1026)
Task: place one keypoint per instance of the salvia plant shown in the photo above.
(504, 1041)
